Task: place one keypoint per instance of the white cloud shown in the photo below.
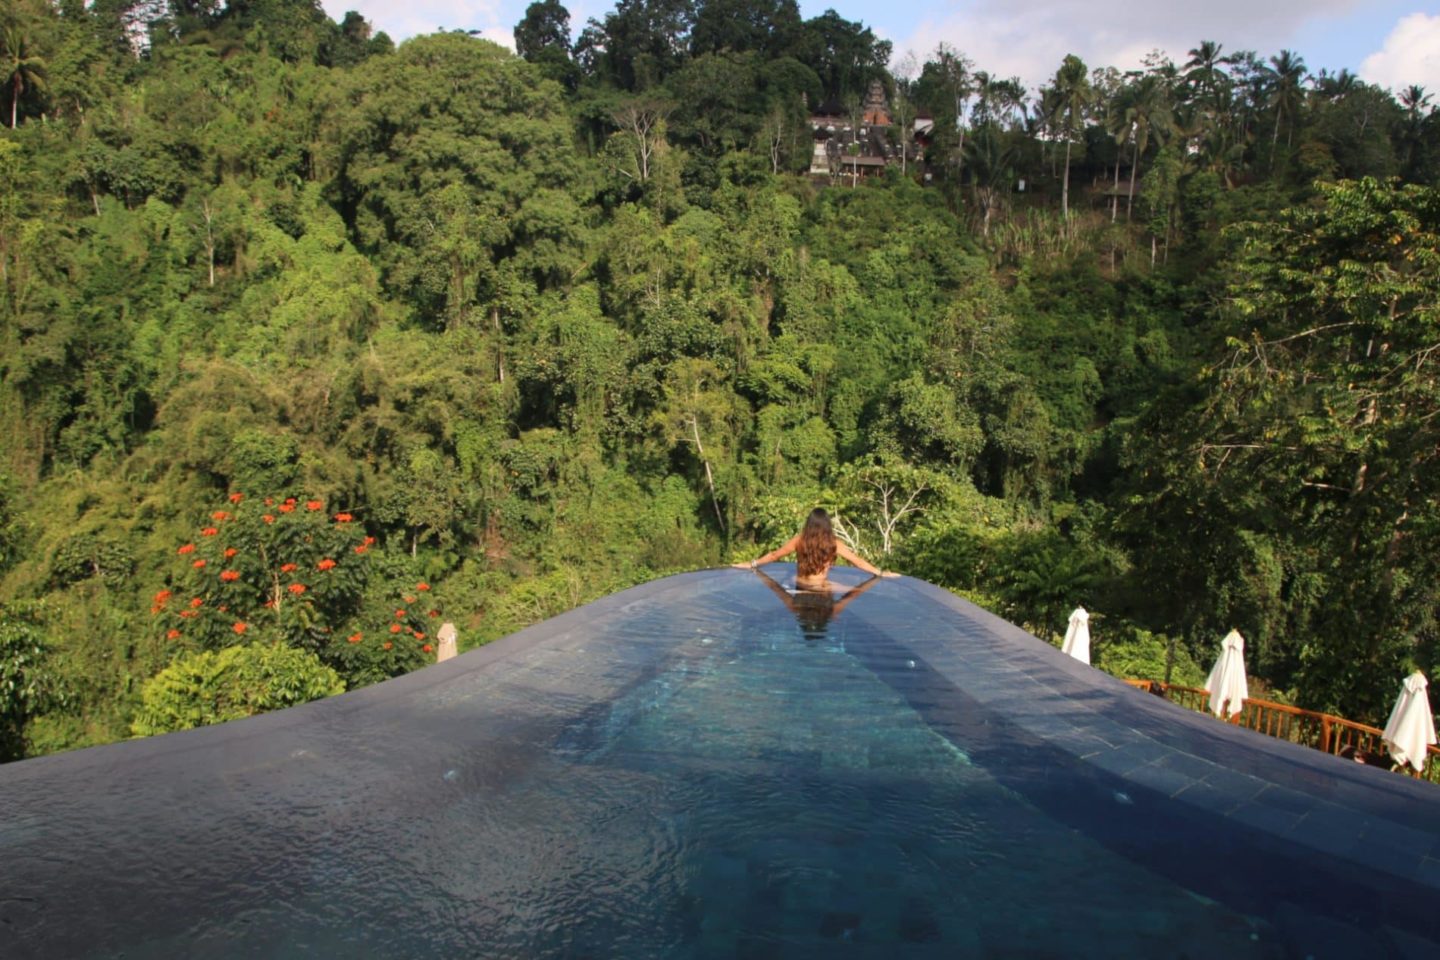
(1029, 38)
(406, 18)
(1411, 54)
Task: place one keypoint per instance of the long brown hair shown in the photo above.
(816, 551)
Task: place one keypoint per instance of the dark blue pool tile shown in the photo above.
(1262, 816)
(1121, 760)
(1391, 847)
(1160, 778)
(1428, 872)
(1208, 797)
(1239, 786)
(1283, 798)
(1192, 767)
(1079, 742)
(1331, 829)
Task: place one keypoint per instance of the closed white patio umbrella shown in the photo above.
(1226, 683)
(1412, 726)
(1077, 636)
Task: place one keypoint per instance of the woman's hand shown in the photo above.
(744, 565)
(888, 573)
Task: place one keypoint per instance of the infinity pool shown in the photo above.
(689, 770)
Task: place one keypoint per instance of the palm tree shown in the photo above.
(958, 83)
(1287, 73)
(992, 169)
(1150, 115)
(1210, 84)
(1202, 70)
(1120, 124)
(1071, 99)
(22, 68)
(1418, 115)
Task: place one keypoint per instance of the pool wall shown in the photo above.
(160, 833)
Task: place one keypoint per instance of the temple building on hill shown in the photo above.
(860, 141)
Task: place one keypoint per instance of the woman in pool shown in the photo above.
(815, 549)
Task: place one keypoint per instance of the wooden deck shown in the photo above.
(1321, 731)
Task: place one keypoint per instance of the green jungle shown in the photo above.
(310, 342)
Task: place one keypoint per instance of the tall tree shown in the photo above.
(1068, 110)
(24, 68)
(1287, 74)
(1151, 117)
(1326, 408)
(1419, 119)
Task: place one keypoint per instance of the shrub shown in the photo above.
(212, 687)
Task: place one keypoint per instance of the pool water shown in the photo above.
(685, 770)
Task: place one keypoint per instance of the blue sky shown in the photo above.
(1386, 42)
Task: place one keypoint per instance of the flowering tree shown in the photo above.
(277, 570)
(290, 572)
(399, 636)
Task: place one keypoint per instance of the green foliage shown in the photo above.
(25, 689)
(1128, 652)
(215, 686)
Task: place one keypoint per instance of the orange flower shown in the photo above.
(162, 596)
(418, 634)
(297, 588)
(394, 628)
(198, 564)
(269, 501)
(287, 567)
(422, 586)
(236, 497)
(290, 500)
(172, 635)
(399, 614)
(326, 564)
(197, 602)
(427, 648)
(268, 604)
(369, 541)
(287, 508)
(240, 627)
(219, 515)
(209, 532)
(230, 552)
(314, 504)
(360, 549)
(268, 518)
(386, 645)
(434, 613)
(188, 548)
(229, 576)
(223, 609)
(187, 614)
(343, 518)
(409, 599)
(354, 638)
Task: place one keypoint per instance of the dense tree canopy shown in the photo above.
(439, 332)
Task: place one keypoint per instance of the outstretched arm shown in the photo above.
(853, 558)
(783, 551)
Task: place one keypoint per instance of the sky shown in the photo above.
(1392, 43)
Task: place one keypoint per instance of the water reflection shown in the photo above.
(814, 609)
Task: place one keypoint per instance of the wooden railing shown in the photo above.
(1322, 731)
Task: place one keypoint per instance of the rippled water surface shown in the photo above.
(698, 777)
